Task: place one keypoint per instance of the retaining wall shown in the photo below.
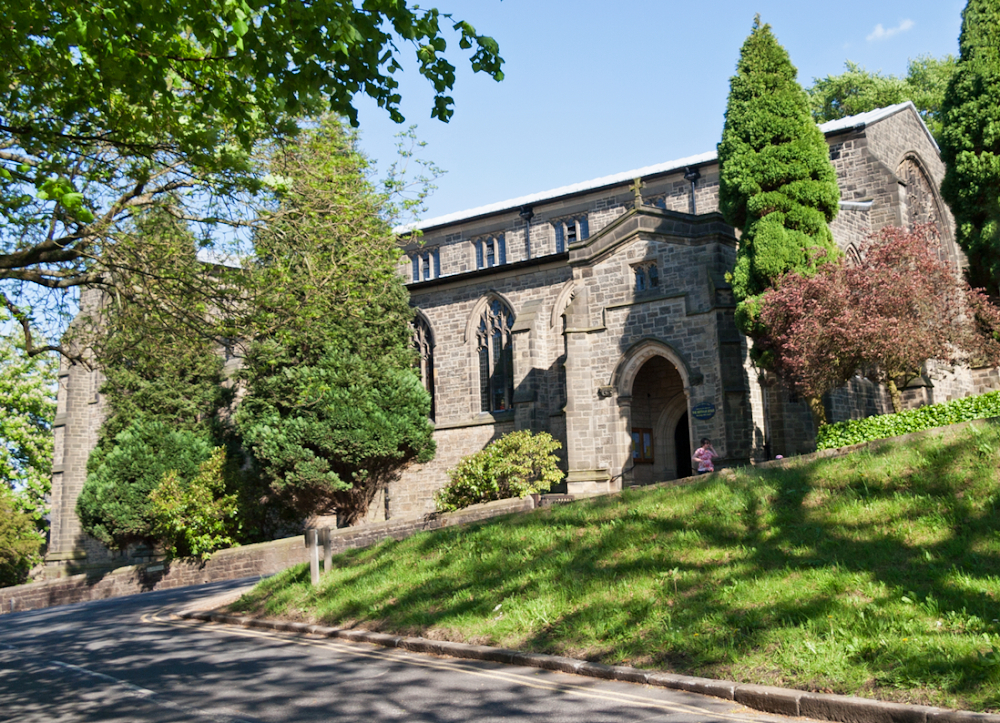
(265, 558)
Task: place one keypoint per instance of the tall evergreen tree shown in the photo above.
(970, 144)
(777, 184)
(333, 406)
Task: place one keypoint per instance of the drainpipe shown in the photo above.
(692, 174)
(527, 213)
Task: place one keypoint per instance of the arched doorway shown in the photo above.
(682, 448)
(658, 423)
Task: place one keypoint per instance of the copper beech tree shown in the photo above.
(900, 306)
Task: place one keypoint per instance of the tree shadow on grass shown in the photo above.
(657, 577)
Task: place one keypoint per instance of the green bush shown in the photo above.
(114, 505)
(516, 465)
(198, 518)
(19, 540)
(855, 431)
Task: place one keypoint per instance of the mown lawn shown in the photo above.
(876, 574)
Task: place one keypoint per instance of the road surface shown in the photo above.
(127, 660)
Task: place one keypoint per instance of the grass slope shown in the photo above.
(876, 574)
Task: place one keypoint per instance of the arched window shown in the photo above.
(423, 340)
(496, 357)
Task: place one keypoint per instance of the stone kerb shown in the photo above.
(265, 558)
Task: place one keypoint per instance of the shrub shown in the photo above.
(114, 504)
(516, 465)
(855, 431)
(197, 518)
(19, 541)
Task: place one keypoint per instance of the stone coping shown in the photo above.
(783, 701)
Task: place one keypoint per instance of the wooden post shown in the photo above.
(327, 539)
(312, 549)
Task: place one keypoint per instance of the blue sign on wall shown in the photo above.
(703, 411)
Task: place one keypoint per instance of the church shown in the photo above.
(601, 314)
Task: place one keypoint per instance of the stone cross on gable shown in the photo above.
(636, 188)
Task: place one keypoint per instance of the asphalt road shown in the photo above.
(127, 660)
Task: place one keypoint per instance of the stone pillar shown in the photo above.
(79, 413)
(581, 403)
(72, 430)
(528, 356)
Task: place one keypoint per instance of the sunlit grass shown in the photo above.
(876, 574)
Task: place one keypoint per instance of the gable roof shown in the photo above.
(854, 122)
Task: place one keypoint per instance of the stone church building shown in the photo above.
(600, 313)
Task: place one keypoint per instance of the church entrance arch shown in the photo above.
(653, 380)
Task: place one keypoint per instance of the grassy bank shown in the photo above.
(876, 574)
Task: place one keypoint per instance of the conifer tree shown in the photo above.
(777, 185)
(970, 144)
(333, 406)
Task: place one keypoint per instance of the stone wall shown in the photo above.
(265, 558)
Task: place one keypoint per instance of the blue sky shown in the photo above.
(595, 88)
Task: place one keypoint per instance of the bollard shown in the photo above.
(327, 541)
(312, 549)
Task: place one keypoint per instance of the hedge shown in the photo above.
(855, 431)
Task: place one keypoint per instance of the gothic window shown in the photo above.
(647, 277)
(423, 340)
(496, 357)
(491, 251)
(569, 231)
(426, 264)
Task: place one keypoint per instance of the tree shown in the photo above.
(196, 518)
(117, 105)
(899, 307)
(857, 90)
(777, 185)
(27, 410)
(20, 541)
(970, 143)
(333, 406)
(114, 505)
(159, 361)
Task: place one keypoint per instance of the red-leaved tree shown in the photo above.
(886, 316)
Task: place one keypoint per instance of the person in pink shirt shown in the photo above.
(704, 456)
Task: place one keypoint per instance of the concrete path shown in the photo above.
(127, 659)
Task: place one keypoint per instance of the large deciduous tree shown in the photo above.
(970, 143)
(858, 90)
(27, 410)
(113, 106)
(333, 406)
(899, 307)
(777, 185)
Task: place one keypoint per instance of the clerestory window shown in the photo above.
(496, 357)
(426, 264)
(569, 231)
(490, 251)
